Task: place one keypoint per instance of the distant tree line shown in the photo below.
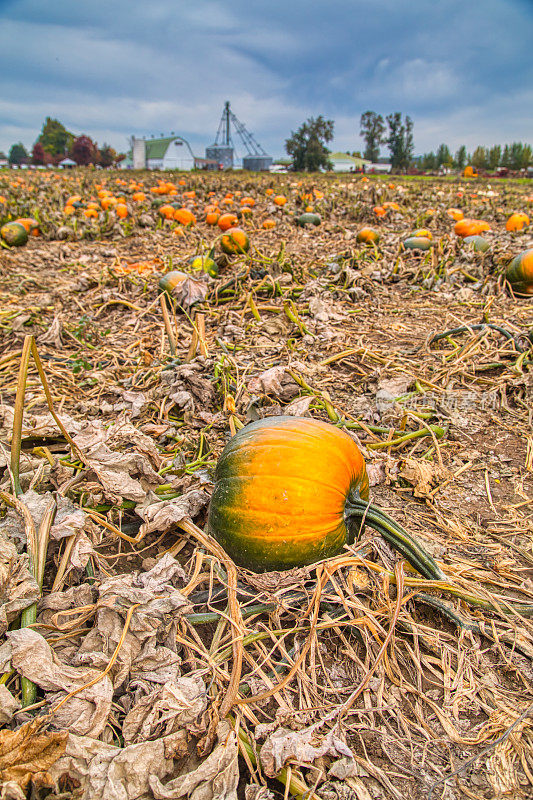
(56, 143)
(515, 156)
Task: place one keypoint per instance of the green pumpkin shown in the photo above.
(478, 243)
(14, 234)
(418, 243)
(308, 219)
(520, 273)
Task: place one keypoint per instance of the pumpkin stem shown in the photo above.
(396, 536)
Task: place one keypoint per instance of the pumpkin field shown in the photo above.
(266, 486)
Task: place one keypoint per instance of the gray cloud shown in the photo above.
(462, 71)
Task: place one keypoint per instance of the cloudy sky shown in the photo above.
(112, 68)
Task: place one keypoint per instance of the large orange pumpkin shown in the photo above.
(290, 491)
(281, 487)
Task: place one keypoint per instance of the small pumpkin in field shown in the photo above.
(227, 221)
(517, 222)
(367, 236)
(520, 273)
(235, 241)
(456, 214)
(471, 227)
(205, 263)
(417, 243)
(172, 279)
(31, 225)
(291, 491)
(478, 243)
(308, 218)
(183, 288)
(184, 216)
(14, 234)
(281, 487)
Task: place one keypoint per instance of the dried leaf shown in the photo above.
(25, 752)
(164, 514)
(106, 772)
(86, 712)
(8, 705)
(152, 624)
(171, 707)
(18, 587)
(216, 777)
(296, 746)
(423, 475)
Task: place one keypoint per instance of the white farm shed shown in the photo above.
(342, 162)
(378, 168)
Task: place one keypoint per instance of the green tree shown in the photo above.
(307, 146)
(373, 132)
(519, 155)
(480, 158)
(444, 157)
(106, 156)
(494, 156)
(55, 138)
(506, 157)
(429, 161)
(460, 158)
(400, 141)
(18, 154)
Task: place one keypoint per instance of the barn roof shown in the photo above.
(156, 148)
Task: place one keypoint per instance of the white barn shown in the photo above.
(168, 152)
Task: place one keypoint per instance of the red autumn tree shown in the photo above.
(84, 151)
(38, 156)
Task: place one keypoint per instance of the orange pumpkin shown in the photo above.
(268, 224)
(379, 211)
(227, 221)
(212, 217)
(517, 222)
(166, 211)
(367, 236)
(290, 491)
(31, 225)
(455, 213)
(281, 487)
(280, 200)
(235, 241)
(184, 216)
(471, 227)
(121, 210)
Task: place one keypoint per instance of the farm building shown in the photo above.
(342, 162)
(378, 167)
(168, 152)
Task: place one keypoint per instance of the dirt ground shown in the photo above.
(163, 671)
